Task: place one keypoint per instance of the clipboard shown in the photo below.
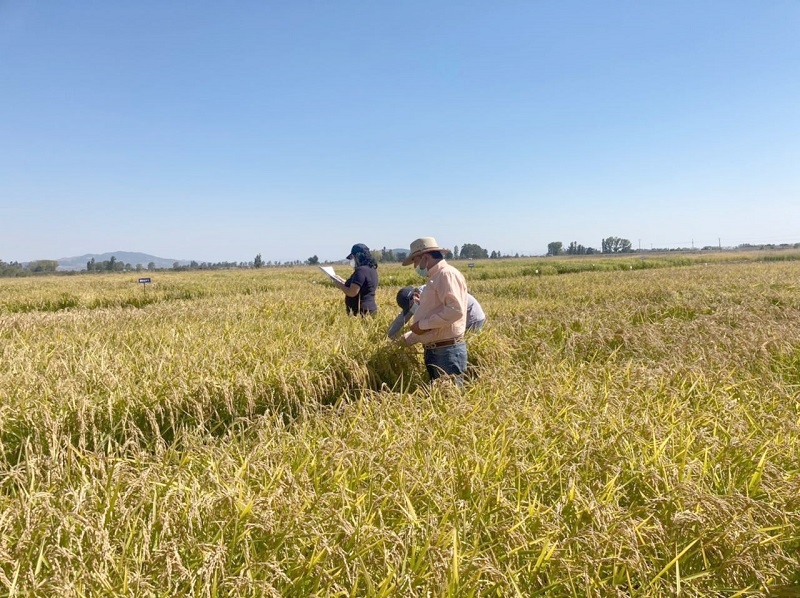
(330, 272)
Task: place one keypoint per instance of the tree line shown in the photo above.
(607, 245)
(467, 251)
(611, 245)
(15, 269)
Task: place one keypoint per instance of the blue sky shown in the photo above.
(215, 131)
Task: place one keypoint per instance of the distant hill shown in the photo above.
(127, 257)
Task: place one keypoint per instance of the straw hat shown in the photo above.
(420, 246)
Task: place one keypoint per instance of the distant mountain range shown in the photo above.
(126, 257)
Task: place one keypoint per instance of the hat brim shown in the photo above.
(397, 325)
(411, 257)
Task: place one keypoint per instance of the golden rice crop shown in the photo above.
(624, 432)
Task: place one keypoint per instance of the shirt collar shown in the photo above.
(432, 271)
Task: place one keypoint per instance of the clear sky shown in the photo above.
(214, 131)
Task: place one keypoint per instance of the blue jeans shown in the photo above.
(447, 360)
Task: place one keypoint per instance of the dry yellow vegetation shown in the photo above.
(629, 429)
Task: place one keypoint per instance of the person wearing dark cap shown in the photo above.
(359, 289)
(440, 319)
(408, 300)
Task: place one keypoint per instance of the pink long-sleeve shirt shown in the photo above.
(442, 311)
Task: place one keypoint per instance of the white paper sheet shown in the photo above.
(329, 271)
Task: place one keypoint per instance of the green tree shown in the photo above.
(151, 266)
(455, 253)
(616, 245)
(258, 262)
(471, 251)
(554, 248)
(43, 266)
(313, 260)
(13, 269)
(576, 249)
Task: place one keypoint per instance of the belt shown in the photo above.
(445, 343)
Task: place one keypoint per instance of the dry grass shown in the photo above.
(626, 433)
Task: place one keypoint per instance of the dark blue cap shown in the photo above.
(357, 248)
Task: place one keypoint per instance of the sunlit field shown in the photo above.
(630, 427)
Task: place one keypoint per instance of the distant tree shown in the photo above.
(471, 251)
(90, 265)
(43, 266)
(616, 245)
(576, 249)
(258, 262)
(554, 248)
(387, 255)
(151, 266)
(14, 269)
(455, 253)
(138, 267)
(313, 260)
(176, 265)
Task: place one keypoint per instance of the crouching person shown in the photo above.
(408, 300)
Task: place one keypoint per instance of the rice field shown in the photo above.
(630, 428)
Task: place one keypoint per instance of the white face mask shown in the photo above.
(421, 271)
(352, 263)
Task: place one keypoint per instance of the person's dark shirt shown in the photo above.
(367, 278)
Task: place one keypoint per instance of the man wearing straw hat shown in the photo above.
(441, 317)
